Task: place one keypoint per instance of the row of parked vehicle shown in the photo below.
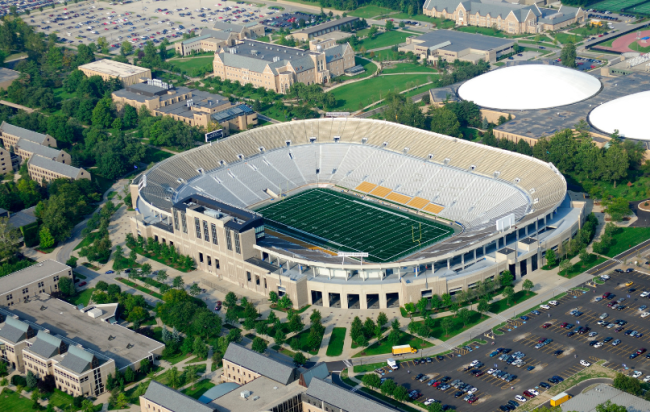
(511, 405)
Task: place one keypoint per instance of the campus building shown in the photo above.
(508, 17)
(80, 347)
(27, 283)
(7, 76)
(276, 67)
(41, 169)
(323, 29)
(8, 161)
(161, 398)
(219, 36)
(10, 135)
(456, 45)
(194, 107)
(108, 69)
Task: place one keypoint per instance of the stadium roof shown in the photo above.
(624, 114)
(530, 86)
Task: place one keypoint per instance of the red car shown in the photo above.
(546, 325)
(563, 324)
(435, 385)
(217, 307)
(472, 400)
(528, 394)
(641, 351)
(82, 284)
(541, 340)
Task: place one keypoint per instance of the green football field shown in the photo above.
(346, 223)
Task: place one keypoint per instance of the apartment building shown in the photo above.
(276, 67)
(509, 17)
(43, 277)
(455, 45)
(109, 69)
(26, 149)
(161, 398)
(42, 169)
(10, 135)
(194, 107)
(80, 347)
(242, 365)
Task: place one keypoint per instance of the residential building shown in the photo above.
(8, 161)
(324, 28)
(194, 107)
(109, 69)
(26, 149)
(7, 76)
(27, 283)
(451, 45)
(10, 135)
(42, 169)
(79, 346)
(277, 67)
(242, 365)
(509, 17)
(161, 398)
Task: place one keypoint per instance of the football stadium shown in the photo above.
(354, 213)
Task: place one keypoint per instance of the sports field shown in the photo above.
(346, 223)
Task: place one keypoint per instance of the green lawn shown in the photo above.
(397, 404)
(565, 38)
(140, 288)
(390, 38)
(335, 347)
(369, 11)
(12, 402)
(368, 367)
(87, 240)
(371, 68)
(199, 388)
(383, 346)
(351, 97)
(587, 31)
(457, 325)
(501, 305)
(579, 267)
(303, 337)
(409, 68)
(192, 62)
(636, 47)
(82, 297)
(488, 31)
(440, 23)
(626, 238)
(382, 55)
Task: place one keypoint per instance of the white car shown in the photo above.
(645, 314)
(534, 392)
(521, 398)
(604, 277)
(429, 401)
(636, 374)
(473, 390)
(585, 363)
(598, 345)
(554, 302)
(491, 371)
(646, 379)
(592, 334)
(645, 294)
(474, 363)
(547, 307)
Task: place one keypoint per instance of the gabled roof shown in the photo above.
(319, 371)
(77, 360)
(46, 345)
(335, 53)
(244, 62)
(35, 148)
(56, 167)
(12, 334)
(228, 27)
(256, 362)
(23, 133)
(174, 400)
(217, 34)
(342, 398)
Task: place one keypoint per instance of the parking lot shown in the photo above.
(139, 22)
(560, 357)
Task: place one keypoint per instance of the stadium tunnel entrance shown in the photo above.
(317, 298)
(392, 300)
(353, 301)
(335, 300)
(372, 301)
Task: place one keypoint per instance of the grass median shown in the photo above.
(335, 346)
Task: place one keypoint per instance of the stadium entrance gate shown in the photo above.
(316, 298)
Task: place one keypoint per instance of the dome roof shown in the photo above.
(623, 114)
(529, 86)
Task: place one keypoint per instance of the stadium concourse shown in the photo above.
(270, 209)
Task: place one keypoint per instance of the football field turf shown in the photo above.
(346, 223)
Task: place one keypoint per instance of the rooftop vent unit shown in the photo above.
(245, 394)
(364, 140)
(129, 345)
(276, 59)
(254, 52)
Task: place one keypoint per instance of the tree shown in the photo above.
(400, 393)
(382, 319)
(31, 379)
(161, 276)
(280, 336)
(9, 237)
(315, 317)
(550, 258)
(371, 380)
(178, 282)
(356, 329)
(465, 315)
(422, 306)
(506, 278)
(508, 292)
(394, 337)
(446, 300)
(129, 375)
(617, 208)
(259, 345)
(528, 285)
(285, 302)
(568, 55)
(565, 265)
(299, 358)
(627, 384)
(388, 387)
(273, 297)
(173, 377)
(230, 300)
(395, 324)
(66, 286)
(295, 323)
(195, 289)
(483, 306)
(47, 241)
(435, 407)
(199, 348)
(446, 323)
(145, 270)
(444, 121)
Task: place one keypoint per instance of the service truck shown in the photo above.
(560, 399)
(391, 362)
(402, 349)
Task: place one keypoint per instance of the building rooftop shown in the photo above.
(256, 55)
(13, 330)
(23, 133)
(232, 113)
(35, 148)
(199, 99)
(238, 219)
(589, 400)
(113, 68)
(282, 373)
(122, 345)
(31, 274)
(23, 218)
(459, 41)
(174, 400)
(228, 27)
(53, 166)
(265, 393)
(327, 25)
(344, 399)
(8, 75)
(218, 391)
